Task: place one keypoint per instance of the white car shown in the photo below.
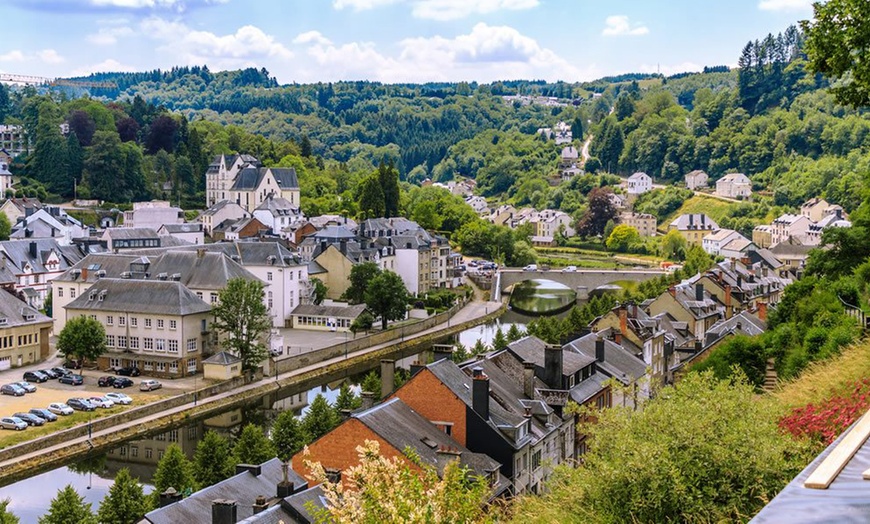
(119, 398)
(101, 402)
(569, 269)
(59, 408)
(531, 267)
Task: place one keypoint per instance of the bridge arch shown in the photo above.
(582, 280)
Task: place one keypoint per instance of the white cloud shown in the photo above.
(671, 69)
(444, 10)
(109, 35)
(49, 56)
(785, 5)
(311, 37)
(618, 25)
(361, 5)
(12, 56)
(108, 65)
(80, 6)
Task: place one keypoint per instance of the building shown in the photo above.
(152, 215)
(696, 179)
(691, 304)
(834, 218)
(328, 317)
(31, 265)
(221, 366)
(817, 208)
(48, 222)
(638, 183)
(644, 223)
(254, 184)
(477, 203)
(694, 227)
(793, 254)
(14, 140)
(24, 333)
(569, 156)
(219, 213)
(551, 224)
(737, 248)
(278, 214)
(235, 230)
(789, 225)
(117, 238)
(221, 174)
(713, 242)
(734, 185)
(17, 208)
(159, 326)
(5, 177)
(762, 236)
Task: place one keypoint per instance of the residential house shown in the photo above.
(17, 208)
(816, 209)
(159, 326)
(691, 304)
(220, 212)
(714, 241)
(638, 183)
(402, 434)
(550, 224)
(570, 172)
(644, 223)
(741, 285)
(737, 248)
(477, 203)
(742, 324)
(152, 215)
(834, 218)
(120, 238)
(789, 225)
(33, 264)
(502, 215)
(5, 177)
(696, 179)
(221, 174)
(191, 233)
(49, 222)
(569, 156)
(253, 185)
(734, 185)
(793, 254)
(24, 333)
(14, 140)
(322, 221)
(278, 214)
(614, 360)
(618, 201)
(240, 229)
(694, 227)
(334, 250)
(762, 236)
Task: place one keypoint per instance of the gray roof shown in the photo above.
(618, 362)
(278, 206)
(193, 227)
(333, 232)
(162, 297)
(244, 488)
(224, 358)
(18, 253)
(270, 253)
(130, 233)
(336, 311)
(588, 388)
(249, 178)
(531, 349)
(220, 205)
(694, 221)
(14, 312)
(299, 502)
(743, 323)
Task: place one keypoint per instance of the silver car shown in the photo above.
(119, 398)
(26, 386)
(59, 408)
(101, 402)
(13, 423)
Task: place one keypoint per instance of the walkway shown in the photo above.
(58, 454)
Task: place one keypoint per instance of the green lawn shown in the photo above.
(712, 207)
(11, 438)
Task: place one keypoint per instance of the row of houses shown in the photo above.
(547, 224)
(732, 185)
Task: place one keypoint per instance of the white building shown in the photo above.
(551, 223)
(279, 214)
(219, 213)
(32, 264)
(477, 203)
(734, 185)
(696, 179)
(715, 241)
(789, 225)
(221, 174)
(153, 214)
(638, 183)
(5, 178)
(192, 232)
(49, 222)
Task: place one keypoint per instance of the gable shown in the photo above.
(434, 401)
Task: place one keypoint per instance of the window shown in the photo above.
(110, 341)
(199, 295)
(93, 317)
(134, 451)
(148, 323)
(110, 320)
(173, 435)
(148, 365)
(60, 291)
(161, 345)
(173, 367)
(72, 292)
(270, 300)
(134, 321)
(173, 324)
(173, 346)
(191, 433)
(536, 460)
(148, 452)
(268, 276)
(191, 367)
(122, 341)
(191, 345)
(161, 366)
(214, 298)
(115, 362)
(134, 342)
(159, 323)
(148, 343)
(122, 321)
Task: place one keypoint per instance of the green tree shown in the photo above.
(363, 322)
(387, 297)
(48, 163)
(212, 460)
(82, 338)
(319, 291)
(673, 245)
(622, 237)
(836, 45)
(514, 333)
(5, 227)
(347, 399)
(426, 215)
(105, 166)
(243, 319)
(253, 446)
(747, 353)
(499, 341)
(321, 418)
(360, 277)
(68, 507)
(6, 516)
(370, 196)
(175, 471)
(388, 177)
(372, 382)
(75, 159)
(617, 480)
(125, 503)
(288, 436)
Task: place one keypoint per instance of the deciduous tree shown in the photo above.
(125, 503)
(174, 471)
(319, 291)
(387, 297)
(599, 211)
(212, 460)
(252, 446)
(288, 435)
(361, 276)
(243, 319)
(82, 338)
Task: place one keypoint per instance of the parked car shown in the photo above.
(59, 371)
(101, 402)
(569, 269)
(13, 423)
(12, 389)
(31, 419)
(119, 398)
(50, 373)
(44, 414)
(35, 376)
(73, 380)
(106, 381)
(72, 364)
(531, 267)
(26, 386)
(131, 371)
(80, 404)
(122, 382)
(149, 385)
(59, 408)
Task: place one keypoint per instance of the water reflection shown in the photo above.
(541, 297)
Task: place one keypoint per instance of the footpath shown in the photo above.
(43, 458)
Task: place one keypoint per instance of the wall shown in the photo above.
(434, 401)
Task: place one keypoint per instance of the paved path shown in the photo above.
(584, 152)
(473, 310)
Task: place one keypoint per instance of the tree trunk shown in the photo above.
(384, 323)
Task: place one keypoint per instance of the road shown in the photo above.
(584, 152)
(58, 454)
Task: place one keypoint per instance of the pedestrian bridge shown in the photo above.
(582, 281)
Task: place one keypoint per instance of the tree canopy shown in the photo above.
(82, 338)
(243, 319)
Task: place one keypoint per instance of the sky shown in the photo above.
(387, 40)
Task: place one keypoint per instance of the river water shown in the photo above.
(92, 477)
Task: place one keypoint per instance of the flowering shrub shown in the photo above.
(825, 421)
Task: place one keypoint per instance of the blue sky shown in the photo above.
(387, 40)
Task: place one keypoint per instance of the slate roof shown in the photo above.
(18, 254)
(531, 349)
(350, 312)
(250, 178)
(278, 206)
(588, 388)
(14, 311)
(640, 175)
(748, 323)
(130, 233)
(243, 487)
(223, 358)
(298, 503)
(618, 362)
(245, 253)
(694, 221)
(218, 206)
(333, 232)
(193, 227)
(160, 297)
(286, 177)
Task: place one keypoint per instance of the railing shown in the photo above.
(855, 312)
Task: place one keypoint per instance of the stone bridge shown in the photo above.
(582, 280)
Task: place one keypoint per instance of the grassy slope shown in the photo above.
(712, 207)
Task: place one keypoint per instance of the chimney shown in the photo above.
(170, 496)
(740, 326)
(416, 367)
(260, 504)
(84, 274)
(251, 468)
(388, 373)
(224, 511)
(480, 393)
(691, 220)
(529, 379)
(617, 338)
(673, 291)
(32, 249)
(739, 281)
(322, 246)
(342, 246)
(699, 345)
(553, 366)
(633, 309)
(599, 349)
(699, 292)
(729, 309)
(762, 311)
(368, 399)
(285, 487)
(441, 352)
(200, 253)
(623, 319)
(345, 414)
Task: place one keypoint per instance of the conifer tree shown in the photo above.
(125, 503)
(68, 507)
(212, 460)
(175, 471)
(320, 419)
(6, 516)
(288, 435)
(252, 446)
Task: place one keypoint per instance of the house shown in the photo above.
(834, 218)
(502, 215)
(24, 333)
(741, 285)
(254, 184)
(33, 264)
(17, 208)
(644, 223)
(221, 174)
(713, 242)
(322, 221)
(789, 225)
(278, 214)
(569, 156)
(615, 361)
(570, 172)
(638, 183)
(191, 233)
(14, 140)
(159, 326)
(691, 304)
(737, 248)
(326, 317)
(817, 208)
(152, 215)
(5, 177)
(477, 203)
(552, 223)
(696, 179)
(762, 236)
(219, 213)
(221, 366)
(694, 227)
(734, 185)
(402, 434)
(49, 222)
(233, 231)
(617, 200)
(792, 253)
